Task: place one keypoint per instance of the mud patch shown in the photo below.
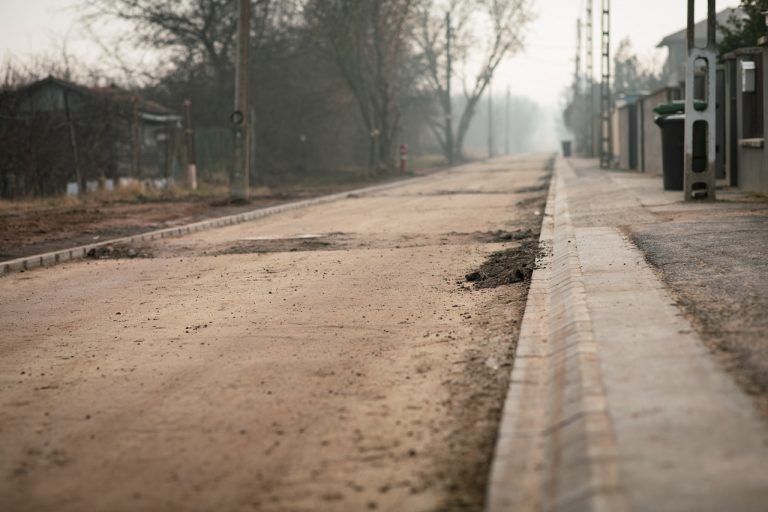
(462, 192)
(513, 265)
(119, 251)
(535, 188)
(505, 236)
(332, 242)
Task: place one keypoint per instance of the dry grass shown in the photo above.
(132, 193)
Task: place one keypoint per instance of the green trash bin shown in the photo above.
(671, 119)
(566, 144)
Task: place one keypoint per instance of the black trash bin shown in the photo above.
(672, 150)
(566, 148)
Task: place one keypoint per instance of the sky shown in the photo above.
(541, 72)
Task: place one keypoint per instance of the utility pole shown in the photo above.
(699, 178)
(577, 82)
(490, 121)
(189, 139)
(606, 140)
(448, 100)
(507, 121)
(238, 182)
(590, 106)
(136, 167)
(73, 147)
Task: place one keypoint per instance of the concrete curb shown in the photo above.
(50, 259)
(556, 449)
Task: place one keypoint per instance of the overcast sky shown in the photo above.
(541, 72)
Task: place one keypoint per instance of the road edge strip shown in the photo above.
(555, 449)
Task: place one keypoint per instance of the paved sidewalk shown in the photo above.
(616, 402)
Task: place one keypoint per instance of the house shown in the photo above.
(677, 45)
(56, 132)
(741, 114)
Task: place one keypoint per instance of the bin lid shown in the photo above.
(678, 107)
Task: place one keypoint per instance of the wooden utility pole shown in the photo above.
(238, 182)
(189, 140)
(136, 168)
(448, 100)
(73, 147)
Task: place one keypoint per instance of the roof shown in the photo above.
(121, 95)
(112, 92)
(700, 29)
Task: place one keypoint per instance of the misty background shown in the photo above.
(318, 106)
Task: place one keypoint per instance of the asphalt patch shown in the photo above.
(509, 266)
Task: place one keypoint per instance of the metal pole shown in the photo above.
(711, 25)
(577, 82)
(590, 78)
(448, 101)
(606, 139)
(238, 184)
(690, 32)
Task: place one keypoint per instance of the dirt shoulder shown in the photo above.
(42, 226)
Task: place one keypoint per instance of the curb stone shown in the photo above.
(556, 448)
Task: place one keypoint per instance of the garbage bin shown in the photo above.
(566, 148)
(672, 149)
(671, 120)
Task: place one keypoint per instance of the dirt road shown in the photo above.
(330, 358)
(35, 227)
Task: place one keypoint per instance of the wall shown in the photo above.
(752, 162)
(753, 176)
(624, 137)
(650, 144)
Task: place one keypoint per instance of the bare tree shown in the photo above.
(447, 30)
(194, 32)
(367, 40)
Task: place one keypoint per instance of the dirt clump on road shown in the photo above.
(269, 245)
(508, 266)
(119, 251)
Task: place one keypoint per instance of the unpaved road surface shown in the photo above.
(329, 358)
(33, 228)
